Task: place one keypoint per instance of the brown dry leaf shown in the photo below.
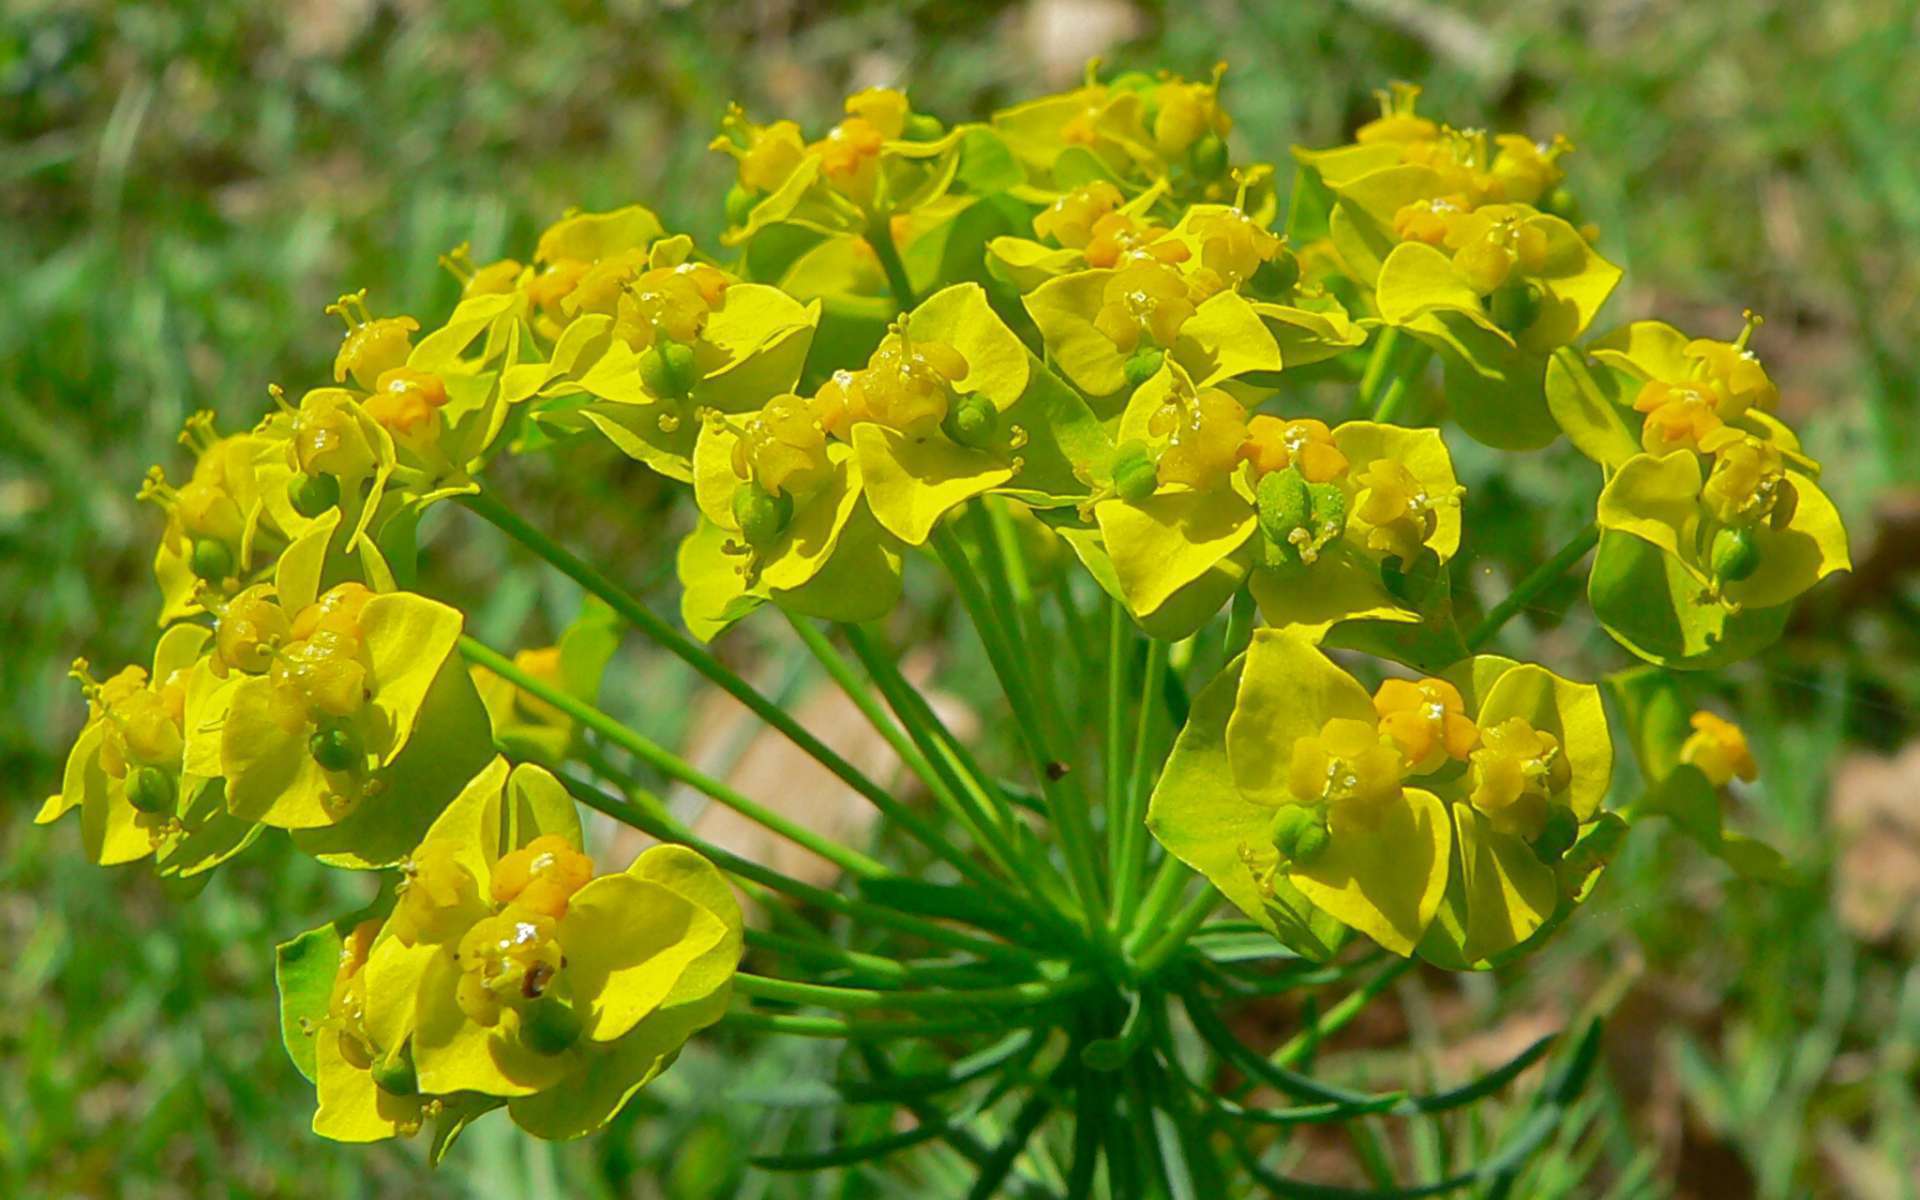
(1876, 817)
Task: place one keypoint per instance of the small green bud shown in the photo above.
(1329, 508)
(1515, 306)
(1285, 501)
(971, 421)
(394, 1074)
(1144, 365)
(1298, 833)
(922, 127)
(1135, 474)
(1134, 81)
(549, 1025)
(762, 515)
(1278, 275)
(211, 560)
(667, 368)
(1735, 555)
(150, 789)
(1562, 203)
(1210, 157)
(740, 202)
(312, 495)
(1557, 835)
(335, 748)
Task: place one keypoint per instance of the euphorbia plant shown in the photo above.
(1187, 474)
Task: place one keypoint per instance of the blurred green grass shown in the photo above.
(183, 187)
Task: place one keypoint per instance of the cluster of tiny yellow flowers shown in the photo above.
(1081, 310)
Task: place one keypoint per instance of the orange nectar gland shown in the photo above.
(1117, 238)
(541, 876)
(1204, 432)
(437, 897)
(1145, 300)
(143, 723)
(1719, 748)
(373, 345)
(1350, 767)
(1427, 720)
(321, 666)
(850, 159)
(249, 628)
(1515, 774)
(346, 1015)
(1070, 219)
(506, 960)
(1275, 443)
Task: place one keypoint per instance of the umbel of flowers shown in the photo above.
(1076, 347)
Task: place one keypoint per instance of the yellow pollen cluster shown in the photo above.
(1145, 300)
(907, 385)
(506, 960)
(1719, 748)
(783, 448)
(251, 627)
(1394, 504)
(321, 665)
(1515, 774)
(1204, 433)
(542, 876)
(1428, 720)
(1304, 443)
(436, 896)
(1350, 766)
(1070, 219)
(373, 345)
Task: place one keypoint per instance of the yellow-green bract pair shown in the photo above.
(1451, 817)
(507, 973)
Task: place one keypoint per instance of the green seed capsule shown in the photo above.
(1286, 503)
(549, 1025)
(1329, 508)
(762, 515)
(335, 748)
(394, 1074)
(1144, 365)
(150, 789)
(1277, 276)
(1557, 835)
(1135, 474)
(1210, 157)
(972, 421)
(1562, 203)
(211, 560)
(312, 495)
(922, 127)
(1298, 833)
(1134, 81)
(1515, 306)
(740, 202)
(1735, 555)
(667, 368)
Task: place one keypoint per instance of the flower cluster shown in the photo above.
(1079, 313)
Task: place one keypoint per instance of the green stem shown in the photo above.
(1337, 1017)
(855, 1028)
(1178, 930)
(1130, 868)
(854, 1000)
(1116, 746)
(647, 820)
(1027, 721)
(1168, 881)
(1539, 580)
(671, 765)
(880, 237)
(1378, 360)
(678, 644)
(842, 673)
(1393, 399)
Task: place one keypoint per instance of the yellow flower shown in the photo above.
(1069, 220)
(373, 345)
(1428, 720)
(1395, 509)
(1517, 772)
(1204, 431)
(1719, 748)
(1146, 300)
(1398, 122)
(1304, 443)
(1187, 111)
(1351, 767)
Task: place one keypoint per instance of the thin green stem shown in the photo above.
(686, 649)
(673, 766)
(647, 820)
(1169, 879)
(904, 746)
(856, 1028)
(880, 237)
(1026, 719)
(1130, 868)
(1116, 746)
(1537, 581)
(1378, 360)
(1394, 398)
(1178, 930)
(1336, 1018)
(854, 1000)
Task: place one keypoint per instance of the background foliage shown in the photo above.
(183, 186)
